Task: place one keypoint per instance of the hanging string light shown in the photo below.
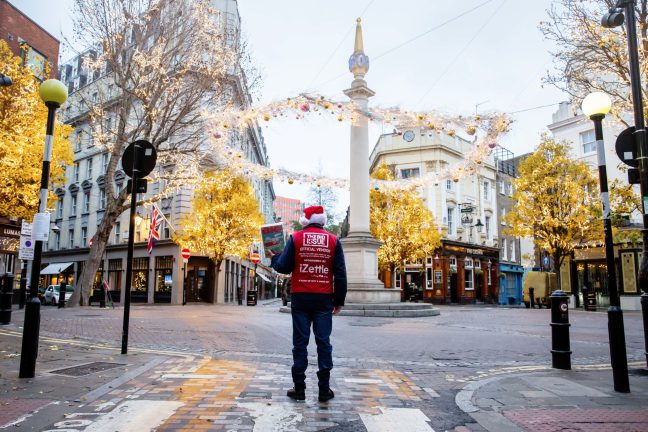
(484, 128)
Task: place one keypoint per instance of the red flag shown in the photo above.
(154, 233)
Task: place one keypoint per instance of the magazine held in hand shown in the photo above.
(272, 236)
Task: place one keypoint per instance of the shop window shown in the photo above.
(163, 278)
(140, 279)
(397, 278)
(468, 279)
(428, 278)
(114, 278)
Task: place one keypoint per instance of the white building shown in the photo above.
(158, 277)
(466, 266)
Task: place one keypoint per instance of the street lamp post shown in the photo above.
(596, 105)
(614, 18)
(54, 94)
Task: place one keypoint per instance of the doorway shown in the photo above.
(454, 297)
(198, 283)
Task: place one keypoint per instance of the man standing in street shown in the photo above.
(319, 285)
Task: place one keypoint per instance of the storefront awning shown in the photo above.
(57, 268)
(265, 278)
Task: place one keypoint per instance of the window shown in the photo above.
(510, 189)
(450, 221)
(501, 186)
(59, 208)
(512, 250)
(102, 199)
(89, 169)
(84, 237)
(397, 278)
(34, 60)
(76, 172)
(107, 123)
(504, 250)
(486, 190)
(449, 185)
(409, 173)
(86, 202)
(588, 141)
(73, 206)
(488, 273)
(453, 261)
(502, 216)
(57, 240)
(104, 163)
(95, 98)
(428, 278)
(71, 238)
(164, 275)
(117, 232)
(469, 277)
(110, 90)
(78, 136)
(487, 227)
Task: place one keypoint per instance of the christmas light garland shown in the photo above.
(223, 126)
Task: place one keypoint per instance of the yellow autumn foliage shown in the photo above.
(224, 220)
(23, 117)
(401, 220)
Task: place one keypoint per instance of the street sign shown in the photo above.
(467, 210)
(145, 159)
(255, 257)
(26, 250)
(26, 229)
(626, 147)
(185, 253)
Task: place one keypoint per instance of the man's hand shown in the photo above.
(336, 309)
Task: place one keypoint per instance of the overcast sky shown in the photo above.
(424, 54)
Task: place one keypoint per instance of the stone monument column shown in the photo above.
(360, 248)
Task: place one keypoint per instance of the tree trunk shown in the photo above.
(217, 276)
(557, 261)
(99, 242)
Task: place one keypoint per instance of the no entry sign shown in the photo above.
(186, 253)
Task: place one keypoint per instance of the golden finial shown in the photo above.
(358, 38)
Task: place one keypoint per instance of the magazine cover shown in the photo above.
(272, 237)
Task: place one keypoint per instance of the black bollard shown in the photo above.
(531, 297)
(560, 349)
(30, 339)
(62, 289)
(644, 313)
(6, 295)
(102, 299)
(23, 286)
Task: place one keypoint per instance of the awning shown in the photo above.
(265, 278)
(57, 268)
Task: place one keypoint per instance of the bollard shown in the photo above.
(531, 297)
(102, 299)
(644, 313)
(585, 295)
(560, 349)
(23, 287)
(6, 295)
(62, 289)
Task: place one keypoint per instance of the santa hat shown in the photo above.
(313, 215)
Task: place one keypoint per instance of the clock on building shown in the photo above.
(408, 136)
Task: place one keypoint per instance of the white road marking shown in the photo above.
(135, 416)
(273, 418)
(397, 420)
(363, 381)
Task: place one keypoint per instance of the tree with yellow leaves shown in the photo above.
(400, 219)
(23, 116)
(224, 220)
(557, 202)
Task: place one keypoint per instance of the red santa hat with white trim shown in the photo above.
(313, 215)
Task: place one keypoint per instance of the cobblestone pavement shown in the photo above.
(226, 368)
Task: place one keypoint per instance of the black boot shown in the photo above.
(298, 392)
(325, 392)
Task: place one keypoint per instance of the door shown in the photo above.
(454, 297)
(478, 287)
(197, 284)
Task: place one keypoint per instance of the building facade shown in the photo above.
(587, 268)
(161, 276)
(465, 268)
(511, 271)
(288, 211)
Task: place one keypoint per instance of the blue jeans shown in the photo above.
(307, 308)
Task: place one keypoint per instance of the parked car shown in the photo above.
(52, 292)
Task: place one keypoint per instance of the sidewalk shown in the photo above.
(551, 400)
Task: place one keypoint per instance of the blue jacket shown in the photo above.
(285, 263)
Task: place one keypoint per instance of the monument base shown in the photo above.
(363, 285)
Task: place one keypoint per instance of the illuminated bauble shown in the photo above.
(217, 135)
(376, 187)
(266, 117)
(239, 156)
(456, 179)
(340, 118)
(492, 144)
(339, 106)
(420, 117)
(479, 162)
(318, 184)
(291, 181)
(471, 130)
(327, 106)
(304, 107)
(225, 125)
(451, 132)
(477, 117)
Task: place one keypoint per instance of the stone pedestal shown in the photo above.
(361, 256)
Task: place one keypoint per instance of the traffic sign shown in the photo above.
(626, 147)
(185, 253)
(255, 257)
(146, 158)
(26, 251)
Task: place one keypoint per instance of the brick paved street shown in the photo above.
(227, 368)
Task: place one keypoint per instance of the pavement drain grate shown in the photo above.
(87, 369)
(255, 395)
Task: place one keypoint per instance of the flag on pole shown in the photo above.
(154, 228)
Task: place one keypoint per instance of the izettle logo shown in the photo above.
(314, 239)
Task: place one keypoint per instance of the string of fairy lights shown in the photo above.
(482, 131)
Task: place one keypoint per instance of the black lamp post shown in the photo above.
(596, 105)
(615, 18)
(54, 94)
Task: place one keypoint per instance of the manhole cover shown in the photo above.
(87, 369)
(640, 372)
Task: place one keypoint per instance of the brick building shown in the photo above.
(287, 210)
(20, 32)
